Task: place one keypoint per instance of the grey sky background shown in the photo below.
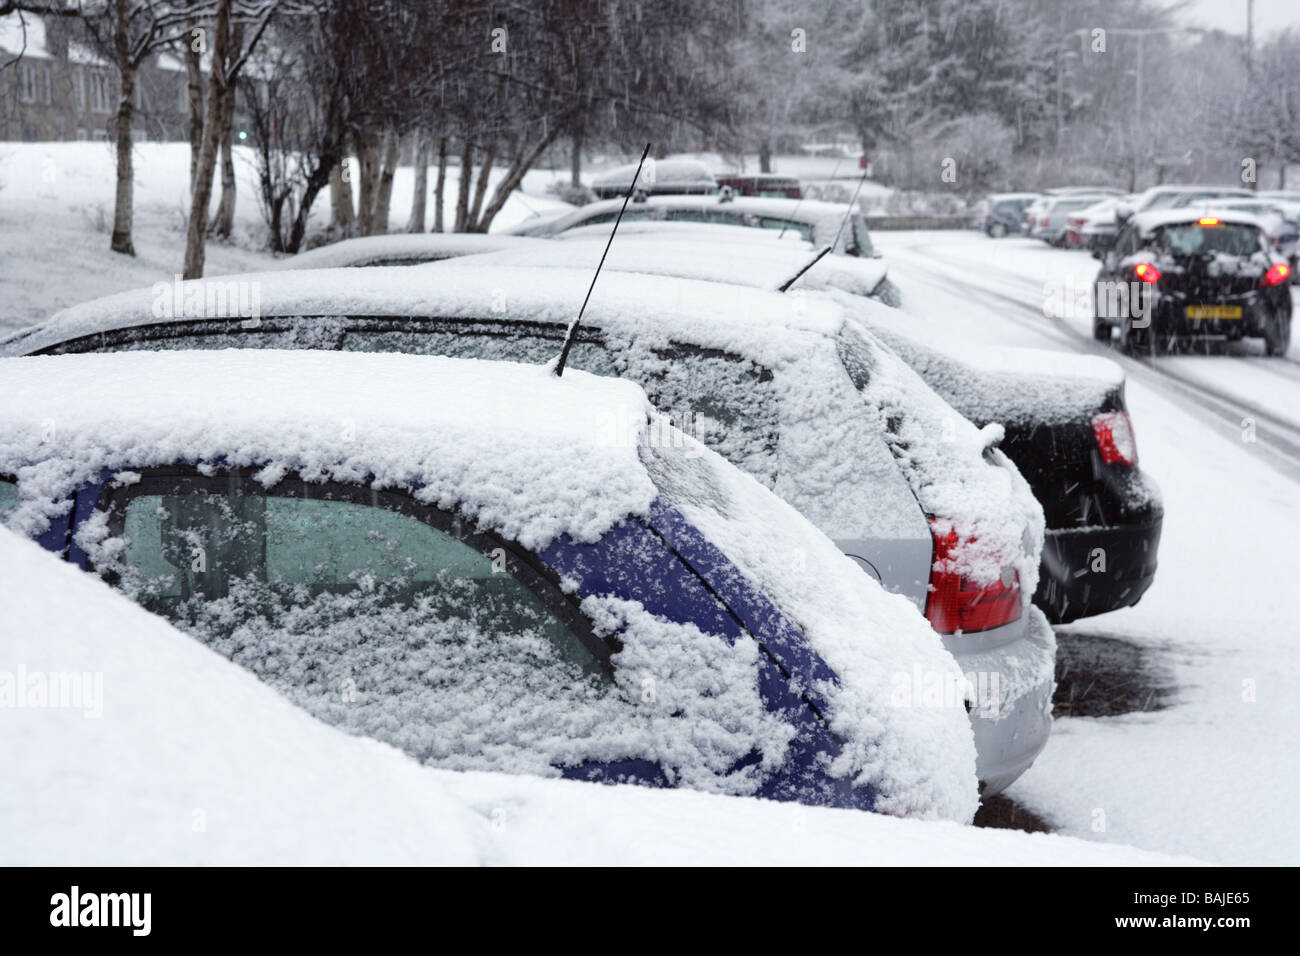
(1271, 16)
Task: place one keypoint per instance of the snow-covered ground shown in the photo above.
(172, 754)
(56, 216)
(1213, 773)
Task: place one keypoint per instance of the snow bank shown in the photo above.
(194, 761)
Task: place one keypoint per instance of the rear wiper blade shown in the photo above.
(795, 278)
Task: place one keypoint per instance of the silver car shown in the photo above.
(1052, 217)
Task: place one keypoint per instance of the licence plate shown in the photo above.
(1214, 311)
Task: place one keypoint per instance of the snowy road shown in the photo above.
(1207, 760)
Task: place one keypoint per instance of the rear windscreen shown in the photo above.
(1237, 239)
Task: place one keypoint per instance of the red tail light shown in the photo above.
(958, 604)
(1115, 439)
(1147, 272)
(1276, 273)
(1044, 222)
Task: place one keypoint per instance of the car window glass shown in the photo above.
(802, 229)
(724, 400)
(534, 345)
(370, 619)
(1193, 239)
(861, 236)
(206, 544)
(8, 498)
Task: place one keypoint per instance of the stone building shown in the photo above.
(61, 89)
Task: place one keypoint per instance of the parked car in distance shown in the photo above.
(659, 177)
(1281, 221)
(790, 389)
(1052, 216)
(1176, 196)
(762, 185)
(820, 223)
(1096, 225)
(488, 567)
(1005, 213)
(1083, 190)
(401, 249)
(1177, 275)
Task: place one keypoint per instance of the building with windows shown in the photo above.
(55, 86)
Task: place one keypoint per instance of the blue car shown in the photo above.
(489, 568)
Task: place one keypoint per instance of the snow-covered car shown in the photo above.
(1096, 225)
(676, 176)
(1176, 197)
(151, 711)
(790, 389)
(689, 250)
(490, 568)
(1052, 216)
(1176, 275)
(1060, 413)
(1004, 213)
(820, 223)
(401, 249)
(1281, 222)
(762, 185)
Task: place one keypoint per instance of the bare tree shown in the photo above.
(129, 31)
(228, 60)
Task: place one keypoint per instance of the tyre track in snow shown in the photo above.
(1277, 441)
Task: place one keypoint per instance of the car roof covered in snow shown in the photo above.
(523, 452)
(749, 321)
(698, 251)
(403, 247)
(1148, 222)
(825, 217)
(666, 172)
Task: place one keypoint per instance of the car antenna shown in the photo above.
(795, 278)
(834, 169)
(849, 212)
(834, 242)
(573, 326)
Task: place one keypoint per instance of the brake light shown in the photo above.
(1147, 272)
(1207, 221)
(1276, 273)
(956, 603)
(1115, 439)
(1044, 222)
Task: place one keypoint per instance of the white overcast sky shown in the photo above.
(1271, 16)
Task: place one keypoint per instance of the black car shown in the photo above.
(1073, 441)
(1176, 275)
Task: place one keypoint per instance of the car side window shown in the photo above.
(373, 612)
(529, 343)
(721, 398)
(802, 229)
(1125, 244)
(8, 498)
